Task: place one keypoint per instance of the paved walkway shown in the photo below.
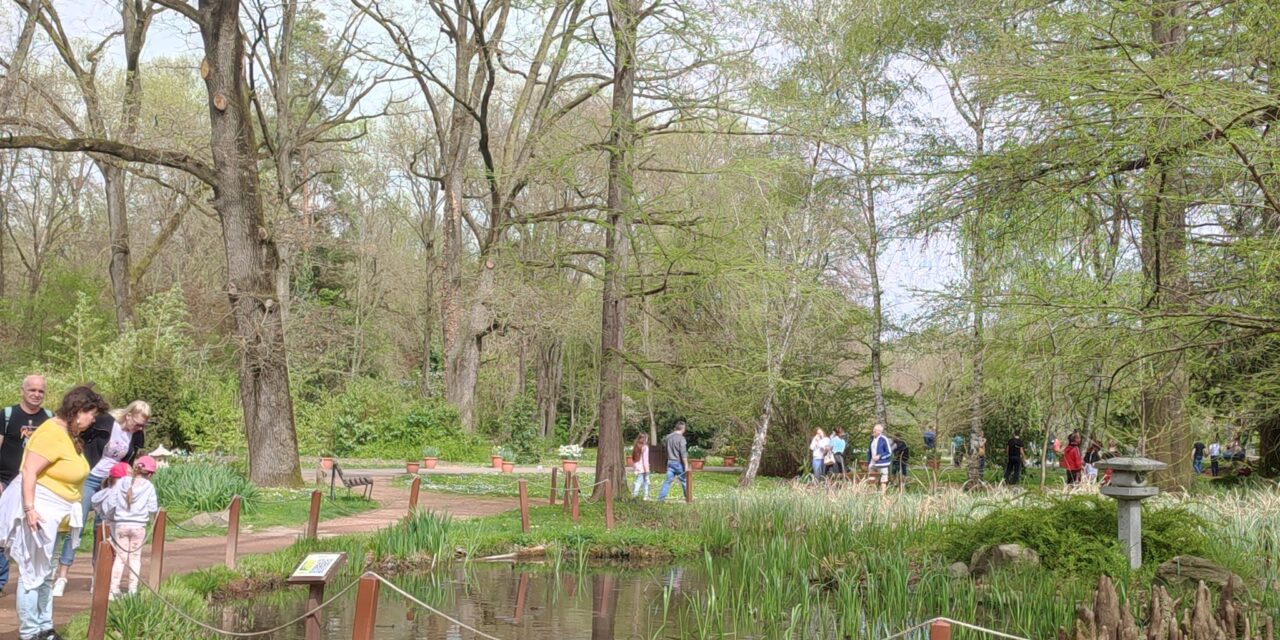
(190, 554)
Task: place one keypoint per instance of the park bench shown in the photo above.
(353, 481)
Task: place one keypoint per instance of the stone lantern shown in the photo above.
(1129, 487)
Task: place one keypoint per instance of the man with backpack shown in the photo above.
(20, 421)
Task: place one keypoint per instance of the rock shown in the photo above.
(958, 570)
(219, 519)
(1190, 570)
(990, 558)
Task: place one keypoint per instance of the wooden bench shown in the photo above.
(354, 481)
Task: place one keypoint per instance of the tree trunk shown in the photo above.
(1269, 446)
(250, 254)
(623, 19)
(113, 178)
(17, 62)
(757, 441)
(977, 274)
(549, 368)
(1163, 253)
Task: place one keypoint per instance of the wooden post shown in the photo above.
(568, 482)
(313, 520)
(577, 497)
(102, 580)
(688, 485)
(940, 630)
(157, 549)
(233, 531)
(524, 505)
(366, 608)
(522, 594)
(315, 596)
(413, 494)
(554, 471)
(608, 505)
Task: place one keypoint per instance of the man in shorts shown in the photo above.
(880, 456)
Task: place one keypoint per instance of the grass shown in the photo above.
(783, 561)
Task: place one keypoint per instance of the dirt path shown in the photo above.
(182, 556)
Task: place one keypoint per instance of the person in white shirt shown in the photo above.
(819, 447)
(1215, 456)
(132, 503)
(640, 461)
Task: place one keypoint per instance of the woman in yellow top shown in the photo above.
(53, 470)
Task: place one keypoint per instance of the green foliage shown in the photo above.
(210, 421)
(202, 484)
(372, 419)
(523, 437)
(1076, 535)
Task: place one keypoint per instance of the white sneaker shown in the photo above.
(59, 586)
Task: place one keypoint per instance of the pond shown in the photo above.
(505, 601)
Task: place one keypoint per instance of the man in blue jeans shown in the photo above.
(677, 460)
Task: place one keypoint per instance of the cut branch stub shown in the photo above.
(220, 101)
(205, 69)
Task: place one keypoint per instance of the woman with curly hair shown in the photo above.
(46, 502)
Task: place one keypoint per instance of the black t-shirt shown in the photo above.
(1199, 449)
(11, 450)
(1015, 448)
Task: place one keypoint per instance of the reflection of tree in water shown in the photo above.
(604, 604)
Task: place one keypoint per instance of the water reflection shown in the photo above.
(511, 603)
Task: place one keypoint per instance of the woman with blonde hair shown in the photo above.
(114, 437)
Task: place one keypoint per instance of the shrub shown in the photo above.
(1077, 534)
(524, 438)
(202, 484)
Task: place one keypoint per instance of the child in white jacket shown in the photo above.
(132, 502)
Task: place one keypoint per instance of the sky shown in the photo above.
(913, 270)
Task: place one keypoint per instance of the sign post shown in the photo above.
(315, 571)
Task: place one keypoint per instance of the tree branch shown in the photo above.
(126, 152)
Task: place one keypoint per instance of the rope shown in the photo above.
(430, 608)
(966, 625)
(235, 634)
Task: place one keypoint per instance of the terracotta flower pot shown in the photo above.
(697, 464)
(326, 463)
(411, 467)
(630, 461)
(933, 463)
(508, 467)
(569, 466)
(730, 461)
(429, 463)
(497, 461)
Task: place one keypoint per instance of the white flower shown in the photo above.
(571, 451)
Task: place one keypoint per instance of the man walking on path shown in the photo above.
(1215, 456)
(837, 450)
(677, 460)
(20, 421)
(1013, 464)
(880, 456)
(1197, 457)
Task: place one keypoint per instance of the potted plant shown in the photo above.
(430, 455)
(411, 467)
(697, 457)
(326, 463)
(508, 460)
(570, 454)
(495, 456)
(729, 455)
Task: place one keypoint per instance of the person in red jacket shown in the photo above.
(1072, 461)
